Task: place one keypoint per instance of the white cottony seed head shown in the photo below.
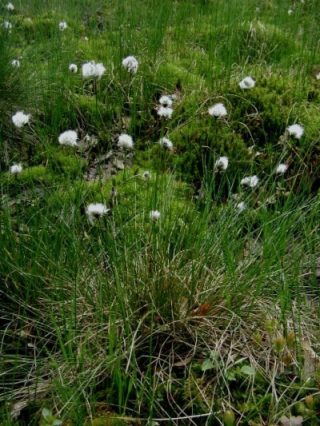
(247, 83)
(222, 163)
(69, 138)
(218, 110)
(19, 119)
(295, 130)
(73, 68)
(131, 64)
(16, 168)
(281, 168)
(95, 211)
(125, 141)
(251, 181)
(155, 215)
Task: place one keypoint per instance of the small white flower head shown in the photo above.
(221, 164)
(281, 169)
(241, 206)
(95, 211)
(166, 143)
(91, 69)
(69, 138)
(19, 119)
(15, 63)
(63, 25)
(15, 169)
(291, 421)
(131, 64)
(247, 83)
(165, 101)
(290, 12)
(295, 130)
(10, 7)
(165, 112)
(73, 68)
(251, 181)
(146, 175)
(100, 70)
(7, 25)
(318, 76)
(155, 215)
(125, 141)
(218, 110)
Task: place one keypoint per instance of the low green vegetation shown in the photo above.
(159, 270)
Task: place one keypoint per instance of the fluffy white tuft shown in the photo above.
(10, 7)
(125, 141)
(251, 181)
(69, 138)
(15, 63)
(218, 110)
(222, 163)
(73, 68)
(146, 175)
(131, 64)
(15, 169)
(247, 83)
(166, 143)
(63, 25)
(281, 168)
(155, 215)
(95, 211)
(296, 130)
(165, 112)
(241, 206)
(165, 101)
(91, 69)
(7, 25)
(19, 119)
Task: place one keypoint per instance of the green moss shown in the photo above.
(63, 160)
(170, 73)
(30, 175)
(252, 42)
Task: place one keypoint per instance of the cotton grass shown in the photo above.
(166, 143)
(68, 138)
(10, 7)
(20, 119)
(250, 181)
(93, 70)
(165, 112)
(295, 130)
(154, 215)
(281, 169)
(125, 141)
(16, 168)
(131, 64)
(247, 83)
(15, 63)
(63, 25)
(95, 211)
(73, 68)
(218, 110)
(221, 164)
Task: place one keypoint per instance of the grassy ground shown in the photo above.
(208, 315)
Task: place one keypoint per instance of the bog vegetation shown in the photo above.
(159, 221)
